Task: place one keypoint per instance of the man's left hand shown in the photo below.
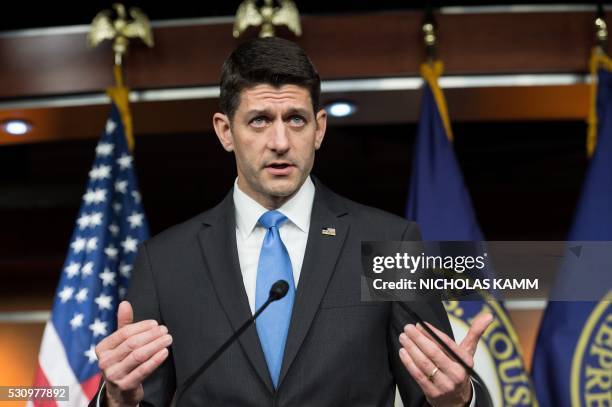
(443, 381)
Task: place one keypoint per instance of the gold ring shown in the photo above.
(432, 374)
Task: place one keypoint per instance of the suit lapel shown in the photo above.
(218, 243)
(320, 259)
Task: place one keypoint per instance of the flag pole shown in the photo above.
(599, 58)
(432, 68)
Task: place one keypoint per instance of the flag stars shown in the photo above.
(110, 126)
(66, 294)
(125, 270)
(129, 244)
(83, 221)
(92, 244)
(135, 219)
(81, 295)
(108, 277)
(114, 229)
(77, 321)
(121, 186)
(99, 195)
(89, 197)
(122, 293)
(125, 161)
(92, 220)
(91, 354)
(111, 251)
(104, 301)
(100, 172)
(104, 149)
(95, 196)
(87, 269)
(72, 269)
(95, 219)
(136, 196)
(78, 245)
(98, 328)
(117, 207)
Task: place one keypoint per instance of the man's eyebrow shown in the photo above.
(257, 112)
(289, 112)
(297, 110)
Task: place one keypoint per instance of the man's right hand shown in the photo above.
(129, 355)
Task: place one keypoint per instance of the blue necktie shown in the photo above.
(274, 264)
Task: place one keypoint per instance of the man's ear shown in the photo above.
(321, 126)
(221, 123)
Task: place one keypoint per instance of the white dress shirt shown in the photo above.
(250, 234)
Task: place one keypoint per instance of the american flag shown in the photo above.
(96, 272)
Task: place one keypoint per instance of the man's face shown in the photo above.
(274, 134)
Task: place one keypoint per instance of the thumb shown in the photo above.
(125, 314)
(479, 325)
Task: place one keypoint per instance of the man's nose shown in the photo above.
(279, 137)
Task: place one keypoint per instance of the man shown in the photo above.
(196, 283)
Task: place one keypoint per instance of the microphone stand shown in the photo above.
(279, 290)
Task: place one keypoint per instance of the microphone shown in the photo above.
(475, 376)
(278, 290)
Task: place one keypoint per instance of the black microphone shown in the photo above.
(449, 351)
(278, 290)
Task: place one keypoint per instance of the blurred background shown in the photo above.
(516, 86)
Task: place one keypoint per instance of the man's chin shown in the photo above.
(282, 188)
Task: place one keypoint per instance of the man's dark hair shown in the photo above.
(273, 61)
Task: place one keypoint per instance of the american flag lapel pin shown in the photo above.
(328, 231)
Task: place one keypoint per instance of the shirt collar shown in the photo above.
(297, 209)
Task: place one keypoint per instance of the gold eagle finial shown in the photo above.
(120, 29)
(267, 16)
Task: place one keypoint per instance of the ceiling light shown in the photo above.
(341, 109)
(16, 127)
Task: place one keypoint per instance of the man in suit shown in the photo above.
(196, 283)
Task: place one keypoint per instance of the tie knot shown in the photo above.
(272, 219)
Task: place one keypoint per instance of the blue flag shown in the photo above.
(440, 203)
(573, 358)
(96, 272)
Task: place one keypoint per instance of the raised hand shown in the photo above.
(443, 381)
(129, 355)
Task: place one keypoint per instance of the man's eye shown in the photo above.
(297, 120)
(259, 121)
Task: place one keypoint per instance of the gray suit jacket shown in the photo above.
(339, 351)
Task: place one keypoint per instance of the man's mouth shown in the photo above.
(279, 168)
(279, 165)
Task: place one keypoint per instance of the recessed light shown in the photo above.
(16, 127)
(341, 109)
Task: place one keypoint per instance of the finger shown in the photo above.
(428, 387)
(137, 357)
(431, 349)
(138, 375)
(117, 354)
(116, 338)
(462, 353)
(426, 365)
(434, 354)
(456, 372)
(479, 325)
(125, 314)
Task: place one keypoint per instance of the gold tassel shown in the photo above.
(431, 72)
(120, 95)
(598, 60)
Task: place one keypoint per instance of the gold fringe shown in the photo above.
(431, 72)
(598, 60)
(120, 95)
